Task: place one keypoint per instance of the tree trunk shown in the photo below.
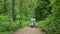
(13, 12)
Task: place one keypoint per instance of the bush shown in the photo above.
(9, 26)
(51, 25)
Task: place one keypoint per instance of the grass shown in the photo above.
(25, 23)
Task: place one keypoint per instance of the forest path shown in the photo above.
(29, 30)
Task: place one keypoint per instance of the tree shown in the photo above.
(13, 11)
(5, 7)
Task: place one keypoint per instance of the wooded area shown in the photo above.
(15, 13)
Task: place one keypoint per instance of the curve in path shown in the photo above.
(28, 30)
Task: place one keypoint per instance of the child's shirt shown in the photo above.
(33, 20)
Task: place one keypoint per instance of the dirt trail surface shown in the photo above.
(28, 30)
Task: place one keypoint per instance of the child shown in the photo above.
(33, 20)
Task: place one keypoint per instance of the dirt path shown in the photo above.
(28, 30)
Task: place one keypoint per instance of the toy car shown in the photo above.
(33, 25)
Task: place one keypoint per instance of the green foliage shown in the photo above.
(47, 13)
(52, 22)
(5, 32)
(26, 23)
(42, 10)
(8, 26)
